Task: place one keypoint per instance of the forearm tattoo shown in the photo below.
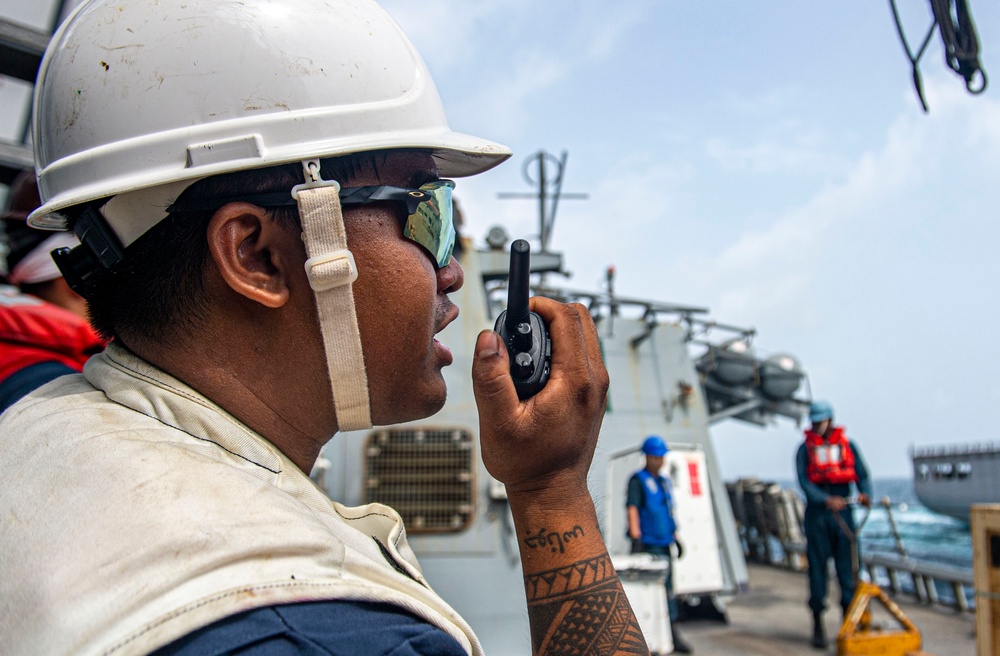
(553, 539)
(582, 609)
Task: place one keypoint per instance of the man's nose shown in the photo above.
(450, 277)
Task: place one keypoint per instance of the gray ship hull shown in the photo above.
(949, 479)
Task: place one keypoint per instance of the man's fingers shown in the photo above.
(567, 334)
(593, 346)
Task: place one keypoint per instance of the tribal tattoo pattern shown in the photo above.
(581, 610)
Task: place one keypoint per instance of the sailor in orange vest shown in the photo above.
(44, 333)
(827, 464)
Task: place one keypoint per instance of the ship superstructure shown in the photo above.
(673, 372)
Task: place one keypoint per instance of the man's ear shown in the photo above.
(254, 254)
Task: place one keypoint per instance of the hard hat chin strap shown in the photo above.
(331, 271)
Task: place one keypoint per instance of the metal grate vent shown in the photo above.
(425, 475)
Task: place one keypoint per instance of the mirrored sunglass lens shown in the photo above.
(432, 225)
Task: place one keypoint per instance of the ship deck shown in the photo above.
(772, 619)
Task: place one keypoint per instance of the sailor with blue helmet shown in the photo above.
(651, 524)
(827, 463)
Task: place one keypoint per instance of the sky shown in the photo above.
(768, 160)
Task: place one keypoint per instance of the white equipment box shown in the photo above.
(644, 579)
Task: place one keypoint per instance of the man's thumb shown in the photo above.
(491, 379)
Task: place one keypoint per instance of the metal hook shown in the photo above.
(313, 178)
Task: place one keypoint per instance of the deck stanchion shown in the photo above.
(961, 602)
(932, 593)
(894, 580)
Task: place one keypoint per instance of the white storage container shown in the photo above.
(644, 578)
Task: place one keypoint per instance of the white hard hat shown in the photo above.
(137, 100)
(132, 95)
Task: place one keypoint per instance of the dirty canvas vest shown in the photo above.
(134, 511)
(830, 461)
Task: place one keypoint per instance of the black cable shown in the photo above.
(914, 59)
(958, 34)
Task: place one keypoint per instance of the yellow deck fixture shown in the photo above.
(858, 636)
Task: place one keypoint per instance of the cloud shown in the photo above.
(774, 268)
(879, 280)
(624, 218)
(797, 153)
(766, 103)
(512, 96)
(509, 68)
(608, 31)
(450, 33)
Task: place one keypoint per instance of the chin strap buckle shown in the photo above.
(322, 278)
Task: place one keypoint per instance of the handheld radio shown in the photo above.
(523, 331)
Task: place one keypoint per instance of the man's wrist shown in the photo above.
(565, 496)
(554, 529)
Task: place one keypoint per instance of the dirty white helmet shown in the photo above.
(138, 100)
(131, 95)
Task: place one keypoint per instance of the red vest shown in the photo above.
(33, 331)
(829, 461)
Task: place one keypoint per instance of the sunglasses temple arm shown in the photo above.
(363, 195)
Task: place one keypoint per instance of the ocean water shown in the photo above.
(925, 535)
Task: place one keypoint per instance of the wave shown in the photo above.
(925, 535)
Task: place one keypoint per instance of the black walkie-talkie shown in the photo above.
(523, 331)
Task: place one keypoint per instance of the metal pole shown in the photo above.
(561, 164)
(544, 236)
(892, 524)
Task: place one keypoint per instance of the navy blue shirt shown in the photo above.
(29, 379)
(318, 628)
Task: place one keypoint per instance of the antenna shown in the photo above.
(517, 287)
(549, 192)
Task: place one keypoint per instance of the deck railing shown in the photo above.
(905, 576)
(974, 449)
(770, 525)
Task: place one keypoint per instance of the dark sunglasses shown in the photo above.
(429, 222)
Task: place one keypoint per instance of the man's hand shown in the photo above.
(836, 504)
(865, 500)
(680, 548)
(541, 449)
(545, 443)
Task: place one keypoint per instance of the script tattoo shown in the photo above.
(582, 609)
(554, 539)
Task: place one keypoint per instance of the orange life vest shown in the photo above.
(34, 331)
(829, 461)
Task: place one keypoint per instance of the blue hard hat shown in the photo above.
(654, 446)
(820, 410)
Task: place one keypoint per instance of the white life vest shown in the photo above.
(134, 511)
